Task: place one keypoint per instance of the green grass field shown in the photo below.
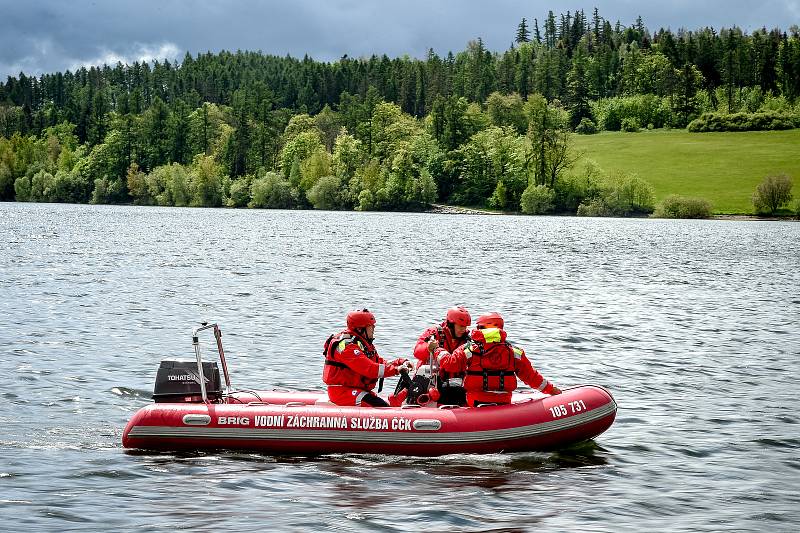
(723, 168)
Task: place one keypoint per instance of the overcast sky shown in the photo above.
(54, 35)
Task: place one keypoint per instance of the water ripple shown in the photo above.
(691, 325)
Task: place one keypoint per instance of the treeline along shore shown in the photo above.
(507, 131)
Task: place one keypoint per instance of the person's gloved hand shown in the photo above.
(393, 368)
(404, 364)
(555, 391)
(433, 345)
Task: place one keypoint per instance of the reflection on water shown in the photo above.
(692, 325)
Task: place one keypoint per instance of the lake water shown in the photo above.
(692, 325)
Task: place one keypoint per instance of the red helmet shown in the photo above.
(459, 316)
(360, 319)
(490, 320)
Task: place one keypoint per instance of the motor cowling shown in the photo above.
(418, 392)
(178, 382)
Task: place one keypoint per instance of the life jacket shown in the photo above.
(449, 343)
(338, 373)
(491, 362)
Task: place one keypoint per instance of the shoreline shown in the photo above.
(755, 218)
(442, 209)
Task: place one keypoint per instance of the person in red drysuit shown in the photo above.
(439, 341)
(491, 365)
(353, 366)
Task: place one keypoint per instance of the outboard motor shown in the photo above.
(418, 391)
(178, 382)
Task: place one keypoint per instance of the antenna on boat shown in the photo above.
(196, 344)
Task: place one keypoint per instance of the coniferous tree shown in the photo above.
(507, 71)
(523, 33)
(596, 24)
(525, 65)
(685, 105)
(421, 91)
(578, 89)
(155, 135)
(179, 133)
(550, 30)
(730, 40)
(97, 118)
(564, 26)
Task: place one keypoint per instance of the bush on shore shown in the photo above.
(772, 193)
(624, 196)
(538, 200)
(271, 191)
(325, 194)
(240, 192)
(674, 206)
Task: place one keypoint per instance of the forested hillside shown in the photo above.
(473, 128)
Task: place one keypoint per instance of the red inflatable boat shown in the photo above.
(306, 423)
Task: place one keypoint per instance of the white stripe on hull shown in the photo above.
(392, 437)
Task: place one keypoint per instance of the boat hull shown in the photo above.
(305, 423)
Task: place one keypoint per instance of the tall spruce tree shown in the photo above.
(537, 35)
(523, 33)
(550, 35)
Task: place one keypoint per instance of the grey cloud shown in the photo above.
(55, 35)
